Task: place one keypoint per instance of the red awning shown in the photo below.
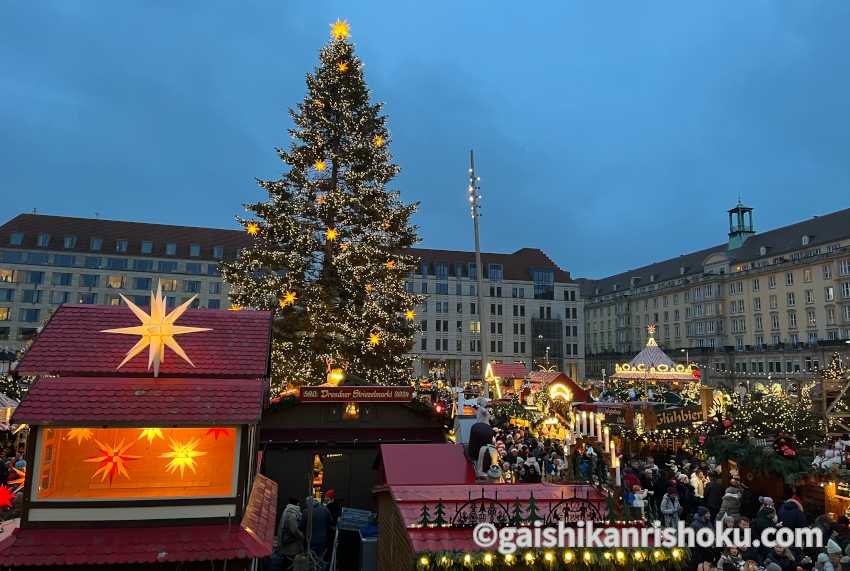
(116, 400)
(252, 538)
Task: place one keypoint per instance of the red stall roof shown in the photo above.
(509, 370)
(425, 464)
(252, 538)
(128, 400)
(72, 342)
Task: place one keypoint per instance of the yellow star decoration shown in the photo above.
(374, 339)
(390, 264)
(182, 456)
(234, 307)
(287, 299)
(378, 140)
(331, 234)
(79, 434)
(340, 29)
(157, 330)
(151, 434)
(253, 229)
(342, 67)
(320, 165)
(369, 288)
(409, 314)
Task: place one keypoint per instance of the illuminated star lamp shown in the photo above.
(7, 496)
(157, 330)
(374, 339)
(378, 140)
(253, 228)
(216, 432)
(151, 434)
(340, 30)
(320, 165)
(112, 460)
(79, 434)
(409, 314)
(182, 456)
(287, 299)
(560, 391)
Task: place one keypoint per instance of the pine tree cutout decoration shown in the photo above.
(439, 514)
(424, 516)
(531, 513)
(327, 252)
(516, 513)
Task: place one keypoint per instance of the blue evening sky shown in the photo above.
(609, 134)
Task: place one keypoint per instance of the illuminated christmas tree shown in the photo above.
(326, 253)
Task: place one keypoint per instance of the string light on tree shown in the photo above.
(336, 116)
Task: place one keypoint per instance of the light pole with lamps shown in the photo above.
(687, 360)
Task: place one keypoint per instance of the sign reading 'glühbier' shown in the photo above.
(362, 394)
(674, 417)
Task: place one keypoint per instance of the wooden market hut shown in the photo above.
(328, 438)
(126, 468)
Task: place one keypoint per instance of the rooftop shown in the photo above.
(820, 230)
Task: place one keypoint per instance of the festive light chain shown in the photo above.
(595, 558)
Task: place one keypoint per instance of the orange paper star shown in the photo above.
(234, 307)
(253, 229)
(378, 140)
(287, 299)
(78, 434)
(331, 234)
(112, 460)
(374, 339)
(320, 165)
(342, 67)
(390, 264)
(151, 434)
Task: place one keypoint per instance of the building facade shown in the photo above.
(762, 304)
(531, 303)
(532, 310)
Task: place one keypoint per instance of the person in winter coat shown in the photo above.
(782, 557)
(670, 508)
(698, 483)
(290, 540)
(730, 560)
(713, 496)
(765, 517)
(316, 523)
(730, 504)
(791, 514)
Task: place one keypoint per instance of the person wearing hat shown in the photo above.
(670, 508)
(532, 473)
(782, 558)
(834, 553)
(333, 506)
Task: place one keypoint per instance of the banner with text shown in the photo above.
(359, 394)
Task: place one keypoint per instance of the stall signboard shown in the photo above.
(355, 394)
(679, 416)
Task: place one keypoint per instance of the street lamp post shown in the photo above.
(687, 359)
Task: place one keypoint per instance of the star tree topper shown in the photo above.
(157, 330)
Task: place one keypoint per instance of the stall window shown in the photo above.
(136, 463)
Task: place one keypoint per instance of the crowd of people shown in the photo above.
(305, 533)
(685, 489)
(12, 464)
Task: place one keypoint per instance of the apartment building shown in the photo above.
(532, 309)
(761, 304)
(46, 261)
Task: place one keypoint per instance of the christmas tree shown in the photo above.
(424, 516)
(439, 514)
(327, 251)
(516, 513)
(532, 514)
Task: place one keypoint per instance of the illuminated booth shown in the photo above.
(139, 454)
(327, 437)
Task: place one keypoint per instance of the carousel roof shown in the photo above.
(653, 363)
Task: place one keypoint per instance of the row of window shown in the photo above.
(69, 242)
(496, 346)
(97, 262)
(496, 328)
(111, 282)
(442, 288)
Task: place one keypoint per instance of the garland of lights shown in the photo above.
(591, 558)
(326, 248)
